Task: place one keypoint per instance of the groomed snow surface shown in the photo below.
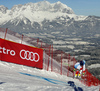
(15, 77)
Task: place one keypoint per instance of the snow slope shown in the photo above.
(36, 80)
(14, 77)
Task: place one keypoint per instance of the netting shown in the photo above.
(53, 60)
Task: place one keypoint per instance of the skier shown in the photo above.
(80, 68)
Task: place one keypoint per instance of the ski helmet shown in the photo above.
(81, 63)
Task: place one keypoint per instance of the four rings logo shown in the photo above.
(29, 55)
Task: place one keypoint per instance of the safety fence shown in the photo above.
(53, 60)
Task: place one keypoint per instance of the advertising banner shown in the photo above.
(21, 54)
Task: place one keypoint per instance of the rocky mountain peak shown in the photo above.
(44, 6)
(46, 16)
(3, 9)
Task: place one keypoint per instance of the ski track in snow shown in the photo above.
(22, 78)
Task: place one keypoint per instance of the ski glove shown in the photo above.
(83, 74)
(74, 69)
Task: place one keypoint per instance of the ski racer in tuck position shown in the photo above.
(80, 69)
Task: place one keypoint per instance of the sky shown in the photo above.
(80, 7)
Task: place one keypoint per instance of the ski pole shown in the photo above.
(69, 66)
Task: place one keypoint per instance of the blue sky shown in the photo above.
(80, 7)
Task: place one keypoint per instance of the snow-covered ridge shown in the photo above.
(37, 12)
(44, 6)
(3, 9)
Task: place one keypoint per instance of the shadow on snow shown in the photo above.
(57, 82)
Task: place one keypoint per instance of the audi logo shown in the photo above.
(29, 55)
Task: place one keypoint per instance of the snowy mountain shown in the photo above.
(36, 12)
(53, 21)
(48, 17)
(3, 9)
